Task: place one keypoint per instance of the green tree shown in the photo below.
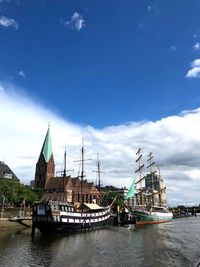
(109, 197)
(15, 192)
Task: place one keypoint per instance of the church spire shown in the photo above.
(45, 167)
(47, 146)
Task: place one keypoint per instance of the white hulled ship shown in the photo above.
(149, 192)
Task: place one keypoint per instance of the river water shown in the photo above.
(176, 243)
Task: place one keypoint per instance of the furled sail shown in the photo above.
(131, 191)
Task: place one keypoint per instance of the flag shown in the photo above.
(131, 191)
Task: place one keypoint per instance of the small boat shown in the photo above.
(149, 194)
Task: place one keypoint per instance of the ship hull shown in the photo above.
(152, 218)
(61, 217)
(59, 227)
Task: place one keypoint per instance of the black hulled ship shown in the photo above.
(68, 204)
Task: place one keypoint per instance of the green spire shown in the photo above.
(47, 147)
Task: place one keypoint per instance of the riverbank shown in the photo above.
(5, 223)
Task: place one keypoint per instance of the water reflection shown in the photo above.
(170, 244)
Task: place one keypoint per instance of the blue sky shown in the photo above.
(121, 74)
(124, 61)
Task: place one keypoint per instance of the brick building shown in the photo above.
(45, 167)
(61, 188)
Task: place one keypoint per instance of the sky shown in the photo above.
(120, 74)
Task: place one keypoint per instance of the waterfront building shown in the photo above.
(6, 172)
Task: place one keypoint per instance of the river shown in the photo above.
(176, 243)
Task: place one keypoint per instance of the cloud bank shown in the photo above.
(174, 141)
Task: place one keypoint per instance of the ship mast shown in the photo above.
(99, 173)
(65, 173)
(82, 170)
(139, 170)
(162, 193)
(152, 174)
(98, 182)
(82, 173)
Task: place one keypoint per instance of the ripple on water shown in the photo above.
(174, 244)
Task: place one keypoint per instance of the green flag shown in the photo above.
(131, 191)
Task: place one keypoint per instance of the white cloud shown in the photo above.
(194, 72)
(153, 8)
(22, 74)
(173, 48)
(77, 21)
(197, 46)
(174, 141)
(7, 22)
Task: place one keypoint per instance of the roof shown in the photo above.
(55, 196)
(6, 172)
(92, 206)
(57, 182)
(47, 146)
(75, 181)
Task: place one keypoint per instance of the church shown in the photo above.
(61, 188)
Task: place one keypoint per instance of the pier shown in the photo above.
(193, 210)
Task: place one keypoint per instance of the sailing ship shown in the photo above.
(149, 192)
(60, 216)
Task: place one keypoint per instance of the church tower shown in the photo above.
(45, 167)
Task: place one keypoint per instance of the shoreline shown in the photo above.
(5, 223)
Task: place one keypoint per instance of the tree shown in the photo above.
(15, 192)
(109, 197)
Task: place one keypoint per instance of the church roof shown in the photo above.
(55, 196)
(57, 183)
(47, 147)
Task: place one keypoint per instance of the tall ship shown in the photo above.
(149, 192)
(66, 204)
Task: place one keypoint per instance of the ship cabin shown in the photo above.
(55, 208)
(90, 208)
(45, 211)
